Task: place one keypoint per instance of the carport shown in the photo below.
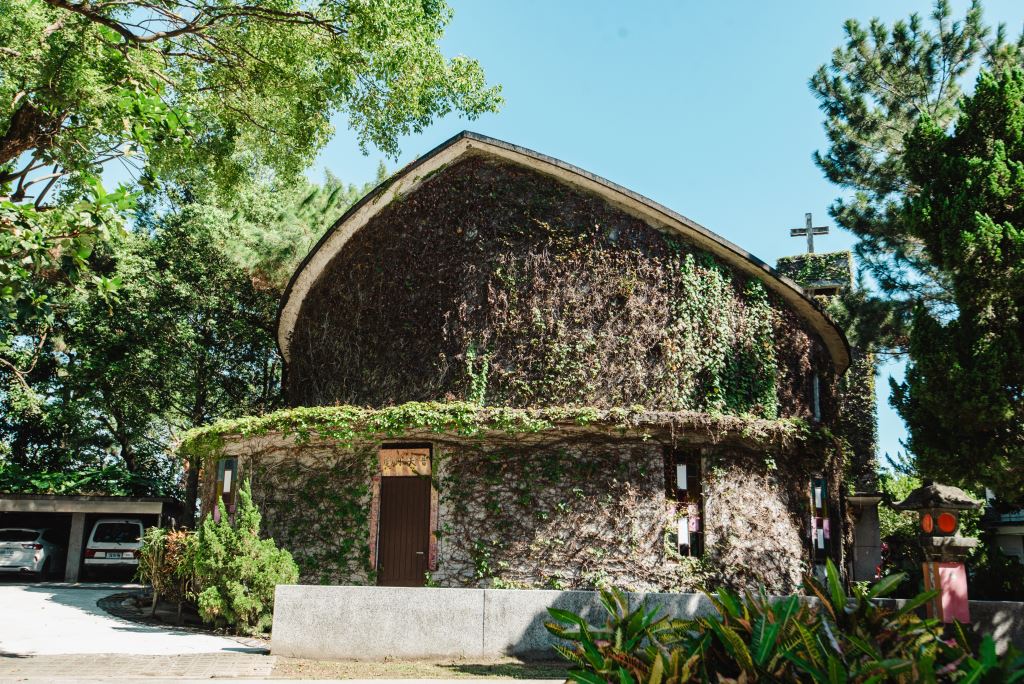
(74, 512)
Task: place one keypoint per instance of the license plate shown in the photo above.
(113, 554)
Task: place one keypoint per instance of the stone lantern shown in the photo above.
(939, 508)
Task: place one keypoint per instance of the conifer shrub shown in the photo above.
(236, 571)
(834, 638)
(223, 568)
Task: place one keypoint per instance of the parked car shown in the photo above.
(26, 550)
(114, 543)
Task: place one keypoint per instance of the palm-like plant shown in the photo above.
(827, 637)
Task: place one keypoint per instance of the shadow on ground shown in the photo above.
(512, 670)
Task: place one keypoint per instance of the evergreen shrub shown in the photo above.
(224, 568)
(236, 571)
(835, 638)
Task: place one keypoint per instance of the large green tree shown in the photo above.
(873, 92)
(188, 338)
(964, 392)
(212, 90)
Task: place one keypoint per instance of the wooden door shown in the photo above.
(403, 540)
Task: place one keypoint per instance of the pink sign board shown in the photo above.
(951, 581)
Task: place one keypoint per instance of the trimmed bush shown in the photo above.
(836, 638)
(224, 568)
(236, 571)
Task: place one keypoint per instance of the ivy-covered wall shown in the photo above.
(529, 502)
(498, 285)
(817, 269)
(856, 419)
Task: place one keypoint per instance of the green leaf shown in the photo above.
(887, 585)
(566, 616)
(584, 677)
(835, 585)
(728, 600)
(913, 604)
(657, 670)
(763, 640)
(836, 671)
(734, 645)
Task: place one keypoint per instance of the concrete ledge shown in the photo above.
(378, 623)
(373, 623)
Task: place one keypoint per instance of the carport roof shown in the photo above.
(83, 503)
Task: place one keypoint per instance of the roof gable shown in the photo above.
(408, 179)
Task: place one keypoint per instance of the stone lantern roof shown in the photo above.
(933, 495)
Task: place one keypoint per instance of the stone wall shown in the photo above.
(756, 522)
(378, 623)
(562, 515)
(508, 288)
(572, 511)
(315, 502)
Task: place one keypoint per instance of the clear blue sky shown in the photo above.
(701, 106)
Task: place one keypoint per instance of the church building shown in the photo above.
(505, 371)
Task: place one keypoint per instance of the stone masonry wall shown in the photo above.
(756, 522)
(572, 513)
(561, 516)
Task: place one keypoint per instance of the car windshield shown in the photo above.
(117, 533)
(18, 535)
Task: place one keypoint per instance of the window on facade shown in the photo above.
(820, 536)
(816, 396)
(227, 476)
(683, 486)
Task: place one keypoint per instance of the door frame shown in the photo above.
(417, 463)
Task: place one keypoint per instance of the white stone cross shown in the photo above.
(810, 230)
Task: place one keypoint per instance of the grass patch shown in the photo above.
(300, 668)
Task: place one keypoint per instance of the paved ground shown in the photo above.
(57, 631)
(52, 619)
(79, 667)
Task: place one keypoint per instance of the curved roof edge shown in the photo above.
(409, 178)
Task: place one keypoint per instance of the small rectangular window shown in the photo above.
(683, 486)
(820, 532)
(227, 482)
(816, 396)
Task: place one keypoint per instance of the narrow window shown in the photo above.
(683, 486)
(820, 536)
(816, 396)
(227, 471)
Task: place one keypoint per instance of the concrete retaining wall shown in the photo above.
(374, 623)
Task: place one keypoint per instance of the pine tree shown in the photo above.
(873, 92)
(963, 398)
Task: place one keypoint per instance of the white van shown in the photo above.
(114, 543)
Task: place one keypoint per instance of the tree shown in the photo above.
(273, 229)
(873, 92)
(188, 338)
(963, 397)
(166, 88)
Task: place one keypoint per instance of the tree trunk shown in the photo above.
(30, 129)
(191, 493)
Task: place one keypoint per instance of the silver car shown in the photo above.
(30, 551)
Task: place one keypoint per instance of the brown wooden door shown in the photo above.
(404, 533)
